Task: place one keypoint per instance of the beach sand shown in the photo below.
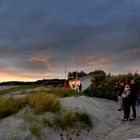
(107, 124)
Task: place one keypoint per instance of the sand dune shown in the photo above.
(105, 117)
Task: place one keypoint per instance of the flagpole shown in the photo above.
(76, 70)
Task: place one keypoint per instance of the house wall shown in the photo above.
(86, 82)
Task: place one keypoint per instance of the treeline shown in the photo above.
(49, 82)
(72, 75)
(12, 83)
(103, 86)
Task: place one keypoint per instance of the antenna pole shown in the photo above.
(76, 69)
(65, 72)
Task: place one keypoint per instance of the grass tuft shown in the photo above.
(9, 106)
(62, 92)
(68, 119)
(47, 122)
(84, 118)
(43, 102)
(65, 119)
(35, 129)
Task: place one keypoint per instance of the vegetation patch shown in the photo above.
(14, 89)
(68, 119)
(47, 122)
(84, 119)
(64, 120)
(43, 102)
(63, 92)
(35, 129)
(9, 106)
(103, 86)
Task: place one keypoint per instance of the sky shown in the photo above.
(39, 37)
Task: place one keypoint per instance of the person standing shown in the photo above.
(80, 87)
(119, 94)
(126, 102)
(133, 97)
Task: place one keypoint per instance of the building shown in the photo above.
(85, 81)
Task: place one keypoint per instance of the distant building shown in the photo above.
(85, 81)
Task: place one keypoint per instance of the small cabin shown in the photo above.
(85, 81)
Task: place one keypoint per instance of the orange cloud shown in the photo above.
(97, 62)
(43, 59)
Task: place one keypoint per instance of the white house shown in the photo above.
(85, 82)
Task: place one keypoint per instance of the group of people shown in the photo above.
(127, 97)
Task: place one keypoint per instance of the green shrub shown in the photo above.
(62, 92)
(84, 118)
(65, 119)
(105, 88)
(68, 119)
(47, 122)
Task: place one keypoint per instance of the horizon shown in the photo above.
(112, 74)
(38, 38)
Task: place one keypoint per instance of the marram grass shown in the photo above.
(9, 106)
(43, 103)
(67, 119)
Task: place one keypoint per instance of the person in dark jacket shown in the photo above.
(126, 102)
(119, 90)
(80, 87)
(133, 97)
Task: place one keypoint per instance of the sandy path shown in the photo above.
(106, 118)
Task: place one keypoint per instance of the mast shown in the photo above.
(65, 72)
(76, 70)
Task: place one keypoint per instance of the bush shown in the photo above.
(105, 88)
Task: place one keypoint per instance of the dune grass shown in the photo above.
(65, 119)
(61, 92)
(40, 103)
(47, 122)
(46, 101)
(9, 106)
(35, 129)
(43, 102)
(84, 118)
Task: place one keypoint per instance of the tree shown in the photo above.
(98, 72)
(72, 75)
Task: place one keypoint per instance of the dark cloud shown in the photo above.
(61, 30)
